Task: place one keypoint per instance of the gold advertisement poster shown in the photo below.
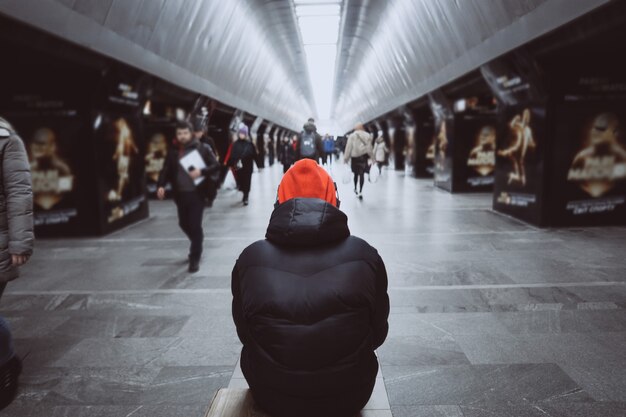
(522, 142)
(482, 157)
(156, 153)
(52, 177)
(122, 165)
(601, 162)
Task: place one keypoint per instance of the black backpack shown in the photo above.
(307, 145)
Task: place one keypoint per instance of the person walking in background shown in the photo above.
(200, 134)
(289, 151)
(309, 143)
(359, 151)
(16, 205)
(241, 158)
(380, 152)
(189, 194)
(310, 304)
(329, 149)
(270, 151)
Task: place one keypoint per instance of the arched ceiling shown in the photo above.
(245, 53)
(249, 54)
(395, 51)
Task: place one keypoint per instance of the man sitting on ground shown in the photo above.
(310, 304)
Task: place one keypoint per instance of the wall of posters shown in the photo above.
(158, 139)
(475, 144)
(49, 108)
(443, 140)
(424, 145)
(520, 156)
(120, 148)
(521, 136)
(588, 179)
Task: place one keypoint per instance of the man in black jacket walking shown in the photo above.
(188, 195)
(310, 304)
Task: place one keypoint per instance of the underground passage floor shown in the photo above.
(489, 316)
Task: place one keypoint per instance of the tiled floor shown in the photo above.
(490, 317)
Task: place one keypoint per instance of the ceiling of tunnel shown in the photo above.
(395, 51)
(249, 53)
(245, 53)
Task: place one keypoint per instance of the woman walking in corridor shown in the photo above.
(359, 151)
(240, 158)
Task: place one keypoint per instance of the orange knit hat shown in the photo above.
(308, 180)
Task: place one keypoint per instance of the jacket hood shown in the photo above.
(6, 129)
(362, 136)
(309, 127)
(305, 222)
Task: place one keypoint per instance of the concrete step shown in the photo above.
(237, 402)
(230, 402)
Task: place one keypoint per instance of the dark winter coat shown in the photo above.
(310, 305)
(211, 172)
(289, 154)
(16, 202)
(242, 150)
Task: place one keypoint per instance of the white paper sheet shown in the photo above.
(193, 159)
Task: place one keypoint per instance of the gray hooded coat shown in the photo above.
(16, 202)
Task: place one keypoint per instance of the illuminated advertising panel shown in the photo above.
(475, 144)
(521, 136)
(49, 110)
(443, 146)
(588, 182)
(424, 146)
(158, 137)
(120, 148)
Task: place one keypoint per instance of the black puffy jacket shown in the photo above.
(310, 305)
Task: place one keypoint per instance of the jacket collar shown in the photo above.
(306, 222)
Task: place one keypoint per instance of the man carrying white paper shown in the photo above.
(190, 167)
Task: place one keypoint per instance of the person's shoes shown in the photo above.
(194, 265)
(360, 195)
(245, 201)
(356, 192)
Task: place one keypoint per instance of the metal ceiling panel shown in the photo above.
(223, 49)
(395, 54)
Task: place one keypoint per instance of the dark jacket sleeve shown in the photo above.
(298, 143)
(255, 156)
(237, 307)
(167, 170)
(18, 196)
(212, 165)
(319, 144)
(381, 314)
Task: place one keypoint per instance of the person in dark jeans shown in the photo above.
(189, 196)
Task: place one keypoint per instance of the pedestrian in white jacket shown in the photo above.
(359, 150)
(380, 152)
